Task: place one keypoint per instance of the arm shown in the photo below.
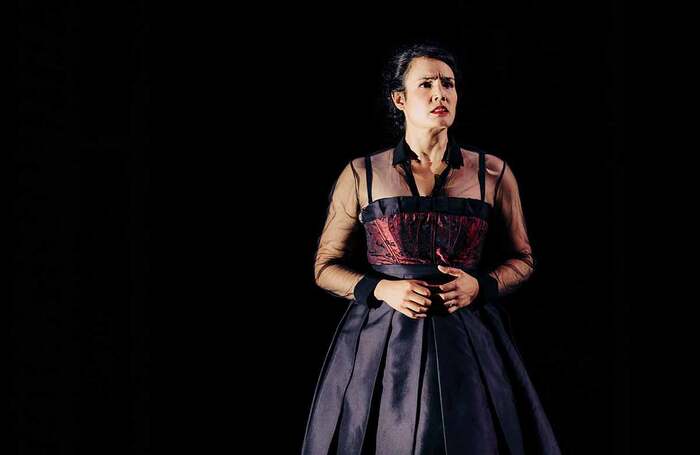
(520, 263)
(331, 271)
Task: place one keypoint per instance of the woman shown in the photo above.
(422, 362)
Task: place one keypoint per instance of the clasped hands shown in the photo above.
(412, 297)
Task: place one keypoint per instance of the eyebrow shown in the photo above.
(435, 77)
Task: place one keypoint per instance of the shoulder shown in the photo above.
(378, 157)
(494, 164)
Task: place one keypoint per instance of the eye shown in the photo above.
(448, 84)
(427, 84)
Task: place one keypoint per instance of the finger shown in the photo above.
(451, 270)
(451, 303)
(451, 286)
(420, 290)
(449, 295)
(412, 314)
(415, 307)
(419, 299)
(420, 316)
(460, 303)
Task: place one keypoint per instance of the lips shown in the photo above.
(439, 109)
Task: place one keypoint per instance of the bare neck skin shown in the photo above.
(430, 145)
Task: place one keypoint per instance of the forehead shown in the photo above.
(421, 67)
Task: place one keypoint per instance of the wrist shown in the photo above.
(477, 287)
(487, 286)
(364, 290)
(379, 288)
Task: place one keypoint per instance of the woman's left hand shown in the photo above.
(459, 292)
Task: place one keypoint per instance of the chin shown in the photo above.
(443, 123)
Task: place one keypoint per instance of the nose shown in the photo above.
(438, 95)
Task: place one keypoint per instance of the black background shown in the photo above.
(173, 175)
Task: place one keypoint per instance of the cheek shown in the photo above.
(417, 109)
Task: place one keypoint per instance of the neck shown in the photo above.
(429, 145)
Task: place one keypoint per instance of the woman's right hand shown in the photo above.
(410, 297)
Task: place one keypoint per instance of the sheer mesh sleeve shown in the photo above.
(339, 240)
(519, 263)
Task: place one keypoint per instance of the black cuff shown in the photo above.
(364, 291)
(488, 287)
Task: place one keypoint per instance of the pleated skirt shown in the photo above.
(449, 384)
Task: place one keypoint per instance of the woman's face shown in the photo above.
(429, 100)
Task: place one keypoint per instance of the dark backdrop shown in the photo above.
(254, 116)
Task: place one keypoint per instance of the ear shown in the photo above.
(399, 99)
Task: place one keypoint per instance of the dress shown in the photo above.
(449, 384)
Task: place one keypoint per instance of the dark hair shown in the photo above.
(394, 75)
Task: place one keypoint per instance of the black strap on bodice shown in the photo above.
(368, 170)
(482, 175)
(410, 179)
(440, 179)
(498, 183)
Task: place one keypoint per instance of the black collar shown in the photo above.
(452, 155)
